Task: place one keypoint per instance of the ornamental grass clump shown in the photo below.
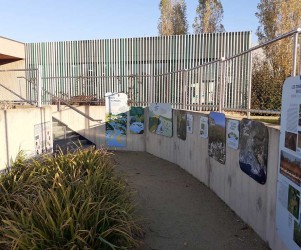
(72, 201)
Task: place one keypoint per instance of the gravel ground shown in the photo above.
(178, 212)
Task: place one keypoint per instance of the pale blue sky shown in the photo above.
(59, 20)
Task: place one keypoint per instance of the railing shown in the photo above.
(221, 84)
(39, 96)
(60, 100)
(14, 93)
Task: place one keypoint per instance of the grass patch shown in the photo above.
(72, 201)
(271, 120)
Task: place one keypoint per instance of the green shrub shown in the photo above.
(72, 201)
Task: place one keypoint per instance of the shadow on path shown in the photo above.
(179, 212)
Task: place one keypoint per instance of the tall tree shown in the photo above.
(209, 16)
(173, 19)
(180, 25)
(270, 70)
(275, 18)
(165, 26)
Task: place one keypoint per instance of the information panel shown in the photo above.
(160, 119)
(288, 215)
(253, 154)
(43, 138)
(137, 120)
(232, 133)
(189, 123)
(116, 119)
(217, 136)
(204, 127)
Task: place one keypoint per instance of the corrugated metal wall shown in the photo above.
(141, 67)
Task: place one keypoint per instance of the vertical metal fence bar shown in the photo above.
(250, 66)
(221, 87)
(185, 89)
(299, 32)
(295, 51)
(226, 87)
(39, 87)
(205, 84)
(241, 76)
(168, 91)
(154, 89)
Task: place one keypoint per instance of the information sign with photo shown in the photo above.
(253, 154)
(217, 136)
(116, 119)
(137, 120)
(289, 169)
(204, 127)
(232, 133)
(43, 138)
(189, 123)
(160, 119)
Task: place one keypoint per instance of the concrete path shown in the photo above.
(180, 212)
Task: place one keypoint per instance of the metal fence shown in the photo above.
(147, 69)
(14, 87)
(197, 88)
(224, 84)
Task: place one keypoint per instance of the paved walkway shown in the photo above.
(179, 212)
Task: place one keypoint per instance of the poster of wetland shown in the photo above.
(160, 119)
(137, 120)
(217, 136)
(253, 145)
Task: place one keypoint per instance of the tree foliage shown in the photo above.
(266, 87)
(180, 25)
(276, 17)
(209, 16)
(173, 19)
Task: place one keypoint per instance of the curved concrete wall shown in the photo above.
(95, 131)
(253, 202)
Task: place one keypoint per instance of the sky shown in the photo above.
(31, 21)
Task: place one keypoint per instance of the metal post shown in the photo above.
(184, 81)
(221, 86)
(150, 89)
(299, 33)
(295, 49)
(39, 87)
(250, 86)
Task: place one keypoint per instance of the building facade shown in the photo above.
(148, 69)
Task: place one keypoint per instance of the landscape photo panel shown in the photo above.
(217, 136)
(160, 119)
(136, 120)
(253, 144)
(116, 119)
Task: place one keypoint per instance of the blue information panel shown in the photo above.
(116, 119)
